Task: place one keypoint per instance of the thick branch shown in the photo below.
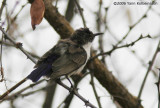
(114, 87)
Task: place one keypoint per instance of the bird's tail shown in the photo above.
(36, 74)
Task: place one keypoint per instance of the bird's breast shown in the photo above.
(87, 48)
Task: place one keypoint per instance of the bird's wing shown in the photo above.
(44, 65)
(71, 60)
(53, 54)
(62, 59)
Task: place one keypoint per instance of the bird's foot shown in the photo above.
(73, 89)
(58, 80)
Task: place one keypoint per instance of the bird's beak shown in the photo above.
(97, 34)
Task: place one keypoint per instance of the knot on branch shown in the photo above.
(19, 44)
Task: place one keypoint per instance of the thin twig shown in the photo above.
(14, 7)
(148, 70)
(19, 46)
(158, 87)
(159, 91)
(1, 67)
(99, 23)
(17, 94)
(81, 13)
(6, 43)
(94, 90)
(11, 45)
(2, 6)
(15, 17)
(143, 62)
(118, 47)
(107, 27)
(2, 97)
(76, 79)
(131, 27)
(56, 3)
(116, 39)
(75, 92)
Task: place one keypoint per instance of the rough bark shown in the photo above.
(115, 88)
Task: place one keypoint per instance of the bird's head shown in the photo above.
(83, 36)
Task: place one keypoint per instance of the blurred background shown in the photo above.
(122, 24)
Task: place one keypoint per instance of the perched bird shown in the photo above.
(68, 57)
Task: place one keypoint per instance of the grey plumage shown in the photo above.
(67, 57)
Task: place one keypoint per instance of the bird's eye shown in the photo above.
(90, 38)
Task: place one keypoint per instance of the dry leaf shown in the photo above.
(37, 12)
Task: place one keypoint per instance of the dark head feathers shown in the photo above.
(82, 36)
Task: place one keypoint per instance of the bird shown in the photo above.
(67, 57)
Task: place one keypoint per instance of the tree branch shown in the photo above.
(81, 13)
(70, 10)
(114, 87)
(17, 45)
(149, 68)
(74, 91)
(134, 25)
(17, 94)
(2, 6)
(50, 91)
(122, 46)
(94, 90)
